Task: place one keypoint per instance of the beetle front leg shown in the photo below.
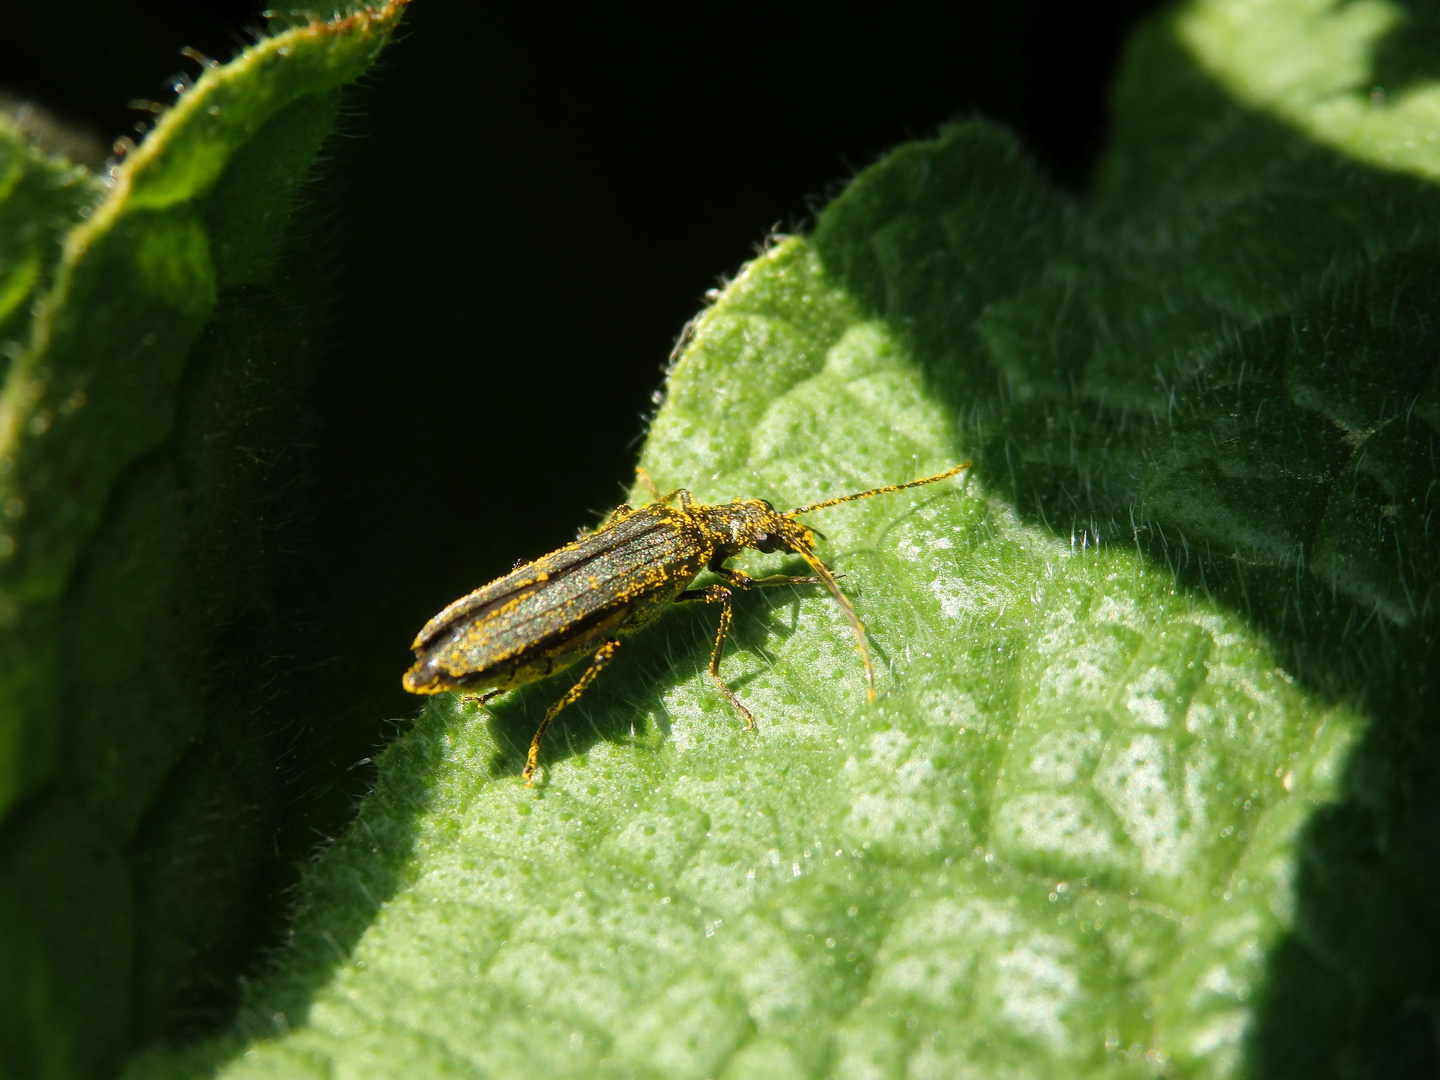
(597, 664)
(744, 581)
(718, 594)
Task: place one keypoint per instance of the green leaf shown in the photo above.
(155, 328)
(1145, 790)
(40, 199)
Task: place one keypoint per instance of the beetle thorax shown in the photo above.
(752, 523)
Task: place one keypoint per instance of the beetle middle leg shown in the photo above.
(480, 700)
(719, 594)
(644, 478)
(597, 664)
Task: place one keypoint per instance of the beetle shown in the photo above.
(575, 603)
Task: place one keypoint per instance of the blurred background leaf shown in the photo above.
(159, 324)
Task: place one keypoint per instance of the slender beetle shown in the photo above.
(545, 615)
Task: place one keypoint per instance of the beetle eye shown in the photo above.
(765, 543)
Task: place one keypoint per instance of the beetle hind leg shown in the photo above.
(597, 665)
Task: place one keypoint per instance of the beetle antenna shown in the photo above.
(877, 491)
